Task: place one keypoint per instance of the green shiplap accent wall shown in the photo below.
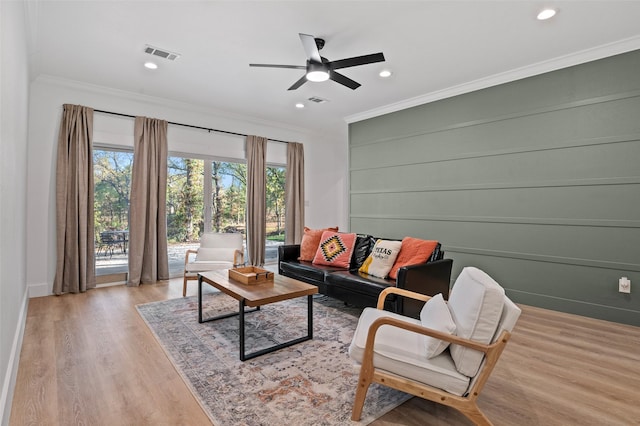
(537, 182)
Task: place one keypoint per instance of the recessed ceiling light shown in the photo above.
(299, 105)
(385, 73)
(546, 14)
(150, 65)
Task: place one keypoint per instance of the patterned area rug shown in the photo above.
(310, 383)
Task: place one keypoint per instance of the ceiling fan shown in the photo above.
(321, 69)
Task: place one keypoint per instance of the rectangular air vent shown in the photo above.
(161, 52)
(318, 100)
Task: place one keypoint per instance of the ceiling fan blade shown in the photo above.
(345, 81)
(310, 48)
(298, 83)
(296, 67)
(356, 60)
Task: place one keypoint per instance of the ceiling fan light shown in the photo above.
(317, 76)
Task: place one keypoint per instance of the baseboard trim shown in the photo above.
(12, 367)
(39, 290)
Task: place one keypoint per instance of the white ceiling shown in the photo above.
(431, 47)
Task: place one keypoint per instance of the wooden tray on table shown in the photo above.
(251, 275)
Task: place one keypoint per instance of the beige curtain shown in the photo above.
(75, 263)
(256, 198)
(294, 193)
(148, 261)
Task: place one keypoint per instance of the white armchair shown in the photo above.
(216, 251)
(447, 355)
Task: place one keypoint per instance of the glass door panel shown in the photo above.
(185, 209)
(275, 212)
(112, 185)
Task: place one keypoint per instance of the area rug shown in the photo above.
(310, 383)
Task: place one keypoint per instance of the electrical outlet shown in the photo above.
(624, 285)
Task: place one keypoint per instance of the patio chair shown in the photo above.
(216, 251)
(447, 355)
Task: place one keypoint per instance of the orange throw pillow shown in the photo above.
(311, 241)
(412, 252)
(335, 249)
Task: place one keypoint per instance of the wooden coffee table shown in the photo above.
(256, 295)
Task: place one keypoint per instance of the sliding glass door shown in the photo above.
(195, 204)
(218, 203)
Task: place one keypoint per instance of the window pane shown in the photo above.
(112, 185)
(229, 198)
(275, 212)
(185, 209)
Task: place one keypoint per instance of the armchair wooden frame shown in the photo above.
(465, 404)
(238, 260)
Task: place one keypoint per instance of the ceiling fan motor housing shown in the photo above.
(319, 68)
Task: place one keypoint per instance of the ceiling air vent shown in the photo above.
(318, 100)
(161, 52)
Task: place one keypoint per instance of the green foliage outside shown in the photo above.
(112, 183)
(185, 196)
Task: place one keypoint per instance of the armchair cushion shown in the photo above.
(202, 266)
(215, 254)
(476, 303)
(402, 352)
(221, 240)
(435, 315)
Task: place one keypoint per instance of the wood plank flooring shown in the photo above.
(89, 359)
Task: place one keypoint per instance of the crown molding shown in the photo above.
(576, 58)
(164, 102)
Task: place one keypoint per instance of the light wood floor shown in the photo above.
(90, 359)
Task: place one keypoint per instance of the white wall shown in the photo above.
(14, 86)
(325, 156)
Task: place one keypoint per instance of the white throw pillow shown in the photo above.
(382, 257)
(476, 302)
(210, 254)
(436, 316)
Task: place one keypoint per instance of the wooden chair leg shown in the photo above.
(361, 394)
(476, 416)
(184, 286)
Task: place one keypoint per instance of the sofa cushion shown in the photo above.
(402, 352)
(381, 259)
(215, 254)
(412, 252)
(476, 302)
(307, 270)
(310, 241)
(358, 282)
(335, 249)
(436, 316)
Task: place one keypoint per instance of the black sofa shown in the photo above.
(362, 290)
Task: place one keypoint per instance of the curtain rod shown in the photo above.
(186, 125)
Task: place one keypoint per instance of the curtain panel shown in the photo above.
(294, 193)
(148, 259)
(256, 198)
(75, 262)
